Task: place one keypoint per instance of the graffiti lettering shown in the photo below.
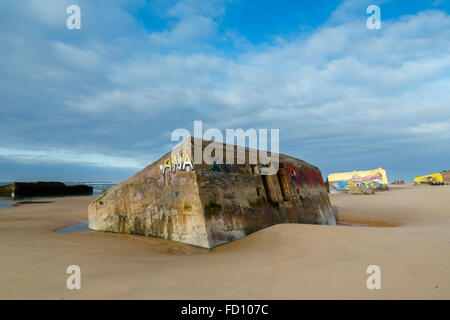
(178, 162)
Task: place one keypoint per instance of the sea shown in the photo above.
(99, 188)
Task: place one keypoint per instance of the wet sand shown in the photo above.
(408, 236)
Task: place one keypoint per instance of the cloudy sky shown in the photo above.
(100, 103)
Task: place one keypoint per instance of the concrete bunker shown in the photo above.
(211, 204)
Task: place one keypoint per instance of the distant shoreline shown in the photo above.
(99, 188)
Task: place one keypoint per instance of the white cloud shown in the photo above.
(327, 83)
(196, 23)
(67, 156)
(187, 31)
(340, 86)
(431, 128)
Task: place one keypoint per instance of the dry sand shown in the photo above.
(289, 261)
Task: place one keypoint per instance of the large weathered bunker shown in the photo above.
(211, 204)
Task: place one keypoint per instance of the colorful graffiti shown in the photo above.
(372, 179)
(178, 162)
(304, 176)
(434, 179)
(346, 185)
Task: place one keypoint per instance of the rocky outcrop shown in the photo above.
(446, 176)
(37, 189)
(211, 204)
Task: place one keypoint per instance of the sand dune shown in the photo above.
(409, 239)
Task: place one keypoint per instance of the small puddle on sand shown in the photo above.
(75, 228)
(351, 224)
(370, 224)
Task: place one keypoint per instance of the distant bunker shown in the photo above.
(434, 179)
(358, 180)
(210, 204)
(40, 189)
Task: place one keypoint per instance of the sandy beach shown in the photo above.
(406, 231)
